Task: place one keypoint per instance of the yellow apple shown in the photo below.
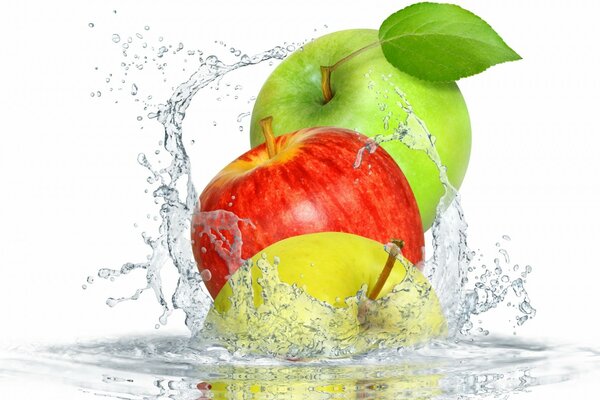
(313, 299)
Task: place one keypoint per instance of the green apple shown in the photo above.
(364, 100)
(315, 298)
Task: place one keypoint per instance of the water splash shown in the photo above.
(448, 269)
(157, 368)
(176, 207)
(284, 320)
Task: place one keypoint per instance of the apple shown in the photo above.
(299, 183)
(317, 294)
(363, 99)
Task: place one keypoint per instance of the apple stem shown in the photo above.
(387, 268)
(326, 83)
(266, 125)
(326, 71)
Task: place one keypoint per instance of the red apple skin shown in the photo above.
(309, 186)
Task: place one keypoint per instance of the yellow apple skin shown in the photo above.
(329, 266)
(314, 300)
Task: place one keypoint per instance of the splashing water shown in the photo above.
(448, 268)
(291, 323)
(152, 368)
(175, 367)
(177, 208)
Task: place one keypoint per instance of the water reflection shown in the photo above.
(167, 367)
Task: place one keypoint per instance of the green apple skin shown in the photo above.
(292, 95)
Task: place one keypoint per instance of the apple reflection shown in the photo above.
(408, 381)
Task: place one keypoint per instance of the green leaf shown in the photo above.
(441, 42)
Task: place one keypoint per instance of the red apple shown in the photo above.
(304, 183)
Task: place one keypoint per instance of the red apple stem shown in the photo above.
(326, 71)
(387, 268)
(266, 125)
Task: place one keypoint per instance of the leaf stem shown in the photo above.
(387, 268)
(326, 71)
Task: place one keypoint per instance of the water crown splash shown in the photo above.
(448, 269)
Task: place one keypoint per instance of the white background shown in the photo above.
(71, 188)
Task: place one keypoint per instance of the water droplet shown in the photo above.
(91, 24)
(203, 249)
(92, 94)
(139, 118)
(134, 89)
(84, 287)
(517, 286)
(157, 326)
(90, 279)
(111, 302)
(116, 38)
(206, 275)
(505, 254)
(98, 93)
(526, 308)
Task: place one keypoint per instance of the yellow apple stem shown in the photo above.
(326, 71)
(266, 124)
(387, 269)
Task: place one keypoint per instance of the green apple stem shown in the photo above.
(326, 71)
(387, 269)
(266, 125)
